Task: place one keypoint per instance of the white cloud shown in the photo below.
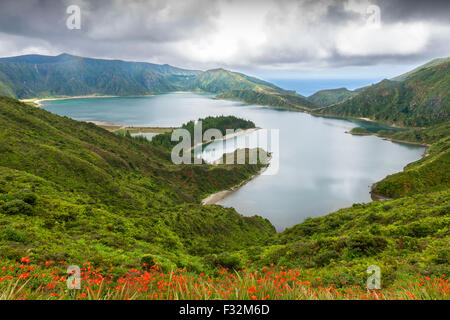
(369, 40)
(265, 34)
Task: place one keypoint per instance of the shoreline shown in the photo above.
(38, 101)
(226, 137)
(114, 127)
(213, 198)
(390, 139)
(216, 197)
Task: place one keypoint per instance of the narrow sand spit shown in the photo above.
(38, 102)
(215, 197)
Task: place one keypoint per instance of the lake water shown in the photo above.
(308, 87)
(321, 168)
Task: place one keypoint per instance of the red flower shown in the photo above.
(25, 259)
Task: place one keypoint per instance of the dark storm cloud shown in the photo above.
(158, 20)
(410, 10)
(252, 34)
(336, 14)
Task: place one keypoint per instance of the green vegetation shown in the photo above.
(429, 174)
(360, 131)
(427, 135)
(420, 100)
(70, 190)
(403, 237)
(237, 86)
(432, 63)
(270, 98)
(221, 123)
(73, 191)
(325, 98)
(66, 75)
(221, 80)
(34, 76)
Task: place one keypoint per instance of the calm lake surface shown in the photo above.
(321, 168)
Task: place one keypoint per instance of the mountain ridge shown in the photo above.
(420, 100)
(39, 76)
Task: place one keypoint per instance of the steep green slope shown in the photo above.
(266, 98)
(237, 86)
(221, 123)
(403, 237)
(221, 80)
(38, 76)
(32, 76)
(421, 100)
(325, 98)
(432, 63)
(431, 173)
(72, 191)
(427, 135)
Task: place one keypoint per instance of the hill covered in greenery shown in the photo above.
(66, 75)
(221, 123)
(429, 174)
(37, 76)
(72, 191)
(237, 86)
(432, 63)
(420, 100)
(325, 98)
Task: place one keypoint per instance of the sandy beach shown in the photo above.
(215, 197)
(38, 102)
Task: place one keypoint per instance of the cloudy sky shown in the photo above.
(290, 38)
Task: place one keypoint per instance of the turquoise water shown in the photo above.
(321, 168)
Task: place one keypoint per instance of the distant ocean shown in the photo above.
(307, 87)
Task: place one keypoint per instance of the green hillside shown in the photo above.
(404, 237)
(66, 75)
(421, 100)
(325, 98)
(33, 76)
(426, 175)
(432, 63)
(70, 190)
(221, 80)
(237, 86)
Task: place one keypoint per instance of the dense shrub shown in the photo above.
(17, 207)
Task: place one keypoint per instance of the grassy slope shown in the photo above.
(66, 75)
(404, 237)
(426, 175)
(237, 86)
(39, 76)
(71, 190)
(325, 98)
(432, 63)
(421, 100)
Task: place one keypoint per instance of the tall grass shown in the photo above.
(49, 281)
